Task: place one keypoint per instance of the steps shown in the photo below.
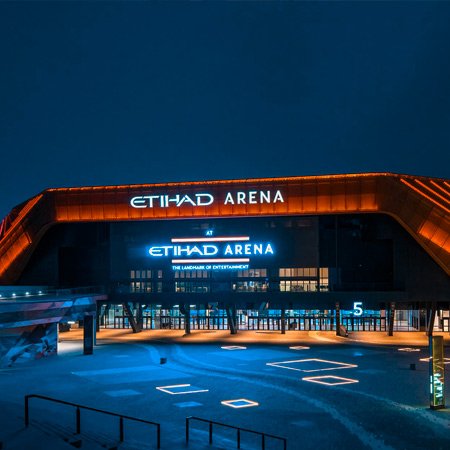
(48, 436)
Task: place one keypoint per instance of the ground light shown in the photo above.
(178, 389)
(446, 360)
(239, 403)
(330, 380)
(307, 365)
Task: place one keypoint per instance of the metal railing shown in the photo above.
(238, 429)
(78, 416)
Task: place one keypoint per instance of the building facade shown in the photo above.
(369, 251)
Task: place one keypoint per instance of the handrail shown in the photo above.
(78, 416)
(239, 429)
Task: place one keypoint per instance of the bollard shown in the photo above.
(78, 421)
(121, 429)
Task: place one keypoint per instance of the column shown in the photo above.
(337, 319)
(88, 335)
(283, 321)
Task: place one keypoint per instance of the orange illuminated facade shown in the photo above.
(420, 205)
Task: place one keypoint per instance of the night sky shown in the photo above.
(95, 93)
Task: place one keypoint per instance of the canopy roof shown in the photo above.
(420, 204)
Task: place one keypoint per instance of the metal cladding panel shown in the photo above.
(421, 205)
(15, 314)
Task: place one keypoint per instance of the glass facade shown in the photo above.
(256, 265)
(303, 245)
(213, 318)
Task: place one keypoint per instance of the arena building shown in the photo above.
(366, 252)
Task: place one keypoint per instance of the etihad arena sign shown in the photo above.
(206, 199)
(212, 252)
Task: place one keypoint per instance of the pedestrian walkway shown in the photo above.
(313, 388)
(269, 337)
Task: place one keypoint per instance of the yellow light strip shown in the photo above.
(429, 231)
(217, 260)
(432, 191)
(230, 182)
(23, 212)
(440, 187)
(213, 239)
(424, 195)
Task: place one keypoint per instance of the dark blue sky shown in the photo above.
(112, 93)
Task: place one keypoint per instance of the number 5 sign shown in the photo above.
(357, 308)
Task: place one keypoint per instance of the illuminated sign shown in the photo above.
(357, 308)
(210, 267)
(164, 201)
(211, 253)
(206, 199)
(437, 366)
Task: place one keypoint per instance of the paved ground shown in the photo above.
(383, 405)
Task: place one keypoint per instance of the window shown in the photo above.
(306, 279)
(252, 273)
(298, 272)
(250, 286)
(191, 286)
(298, 286)
(143, 274)
(140, 287)
(324, 280)
(191, 274)
(141, 280)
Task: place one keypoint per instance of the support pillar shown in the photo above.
(231, 316)
(105, 315)
(391, 315)
(88, 334)
(187, 319)
(337, 319)
(134, 324)
(97, 316)
(431, 313)
(139, 316)
(283, 321)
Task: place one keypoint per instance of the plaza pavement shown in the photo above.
(383, 405)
